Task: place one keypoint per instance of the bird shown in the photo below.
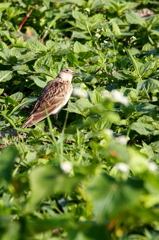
(52, 98)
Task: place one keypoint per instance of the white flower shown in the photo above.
(122, 167)
(78, 92)
(118, 97)
(122, 139)
(108, 132)
(152, 167)
(106, 94)
(87, 9)
(97, 35)
(66, 167)
(132, 39)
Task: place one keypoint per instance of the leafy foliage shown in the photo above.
(97, 177)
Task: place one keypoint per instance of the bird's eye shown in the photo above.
(67, 70)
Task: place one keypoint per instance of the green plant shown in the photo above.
(96, 176)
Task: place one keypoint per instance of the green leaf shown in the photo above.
(8, 36)
(43, 64)
(116, 29)
(78, 2)
(24, 103)
(11, 101)
(81, 20)
(138, 163)
(89, 231)
(4, 6)
(151, 85)
(110, 203)
(131, 93)
(36, 46)
(61, 52)
(5, 75)
(119, 75)
(134, 18)
(71, 57)
(136, 63)
(41, 180)
(78, 15)
(155, 146)
(77, 34)
(143, 128)
(96, 97)
(147, 149)
(97, 123)
(1, 90)
(148, 68)
(22, 69)
(78, 48)
(80, 106)
(45, 181)
(56, 221)
(145, 108)
(17, 96)
(58, 16)
(7, 159)
(38, 81)
(94, 20)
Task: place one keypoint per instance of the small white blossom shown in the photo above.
(122, 139)
(122, 167)
(66, 167)
(87, 9)
(106, 94)
(152, 167)
(108, 132)
(132, 39)
(78, 92)
(118, 97)
(97, 35)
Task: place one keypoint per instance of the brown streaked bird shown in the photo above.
(53, 97)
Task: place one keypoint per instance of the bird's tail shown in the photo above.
(28, 122)
(34, 118)
(24, 126)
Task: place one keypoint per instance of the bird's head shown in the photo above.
(66, 74)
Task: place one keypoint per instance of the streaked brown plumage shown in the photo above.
(53, 97)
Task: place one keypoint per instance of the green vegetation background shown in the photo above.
(98, 178)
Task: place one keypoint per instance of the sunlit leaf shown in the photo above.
(133, 18)
(5, 76)
(143, 128)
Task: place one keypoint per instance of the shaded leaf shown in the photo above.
(7, 159)
(143, 128)
(109, 197)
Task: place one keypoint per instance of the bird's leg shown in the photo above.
(56, 117)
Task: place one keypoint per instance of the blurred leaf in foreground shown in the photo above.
(7, 158)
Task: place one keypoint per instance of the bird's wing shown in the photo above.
(53, 93)
(51, 98)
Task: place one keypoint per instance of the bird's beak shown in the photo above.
(74, 73)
